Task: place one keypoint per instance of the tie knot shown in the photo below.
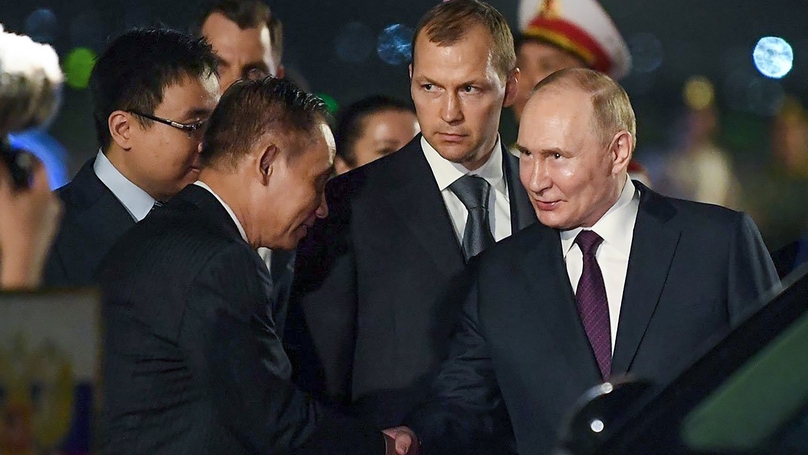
(588, 241)
(472, 191)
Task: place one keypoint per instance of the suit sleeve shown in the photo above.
(752, 275)
(465, 412)
(321, 329)
(235, 349)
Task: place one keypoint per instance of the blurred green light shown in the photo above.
(330, 102)
(77, 67)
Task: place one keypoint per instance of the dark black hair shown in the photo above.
(249, 109)
(350, 122)
(135, 69)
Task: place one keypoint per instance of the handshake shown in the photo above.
(401, 441)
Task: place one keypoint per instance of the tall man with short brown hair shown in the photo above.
(373, 281)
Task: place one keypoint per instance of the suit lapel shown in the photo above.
(416, 201)
(652, 250)
(522, 213)
(545, 273)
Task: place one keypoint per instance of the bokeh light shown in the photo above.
(646, 52)
(773, 57)
(395, 44)
(330, 102)
(699, 93)
(77, 66)
(354, 43)
(41, 25)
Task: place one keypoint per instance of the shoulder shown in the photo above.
(687, 214)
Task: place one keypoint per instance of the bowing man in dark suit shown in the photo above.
(616, 279)
(372, 281)
(193, 361)
(152, 91)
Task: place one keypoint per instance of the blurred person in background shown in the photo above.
(152, 90)
(780, 195)
(246, 38)
(30, 84)
(372, 128)
(699, 169)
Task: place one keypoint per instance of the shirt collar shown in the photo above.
(612, 225)
(230, 211)
(136, 201)
(447, 172)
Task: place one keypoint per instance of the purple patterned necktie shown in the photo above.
(592, 304)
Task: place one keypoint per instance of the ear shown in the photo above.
(511, 88)
(121, 125)
(409, 70)
(621, 149)
(266, 162)
(280, 72)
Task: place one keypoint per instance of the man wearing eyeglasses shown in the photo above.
(152, 90)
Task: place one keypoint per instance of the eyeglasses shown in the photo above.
(189, 128)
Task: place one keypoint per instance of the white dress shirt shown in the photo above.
(447, 172)
(616, 227)
(136, 201)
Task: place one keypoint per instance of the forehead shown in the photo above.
(537, 50)
(226, 37)
(558, 111)
(471, 54)
(191, 92)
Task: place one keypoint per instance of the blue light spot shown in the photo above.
(773, 57)
(395, 44)
(41, 25)
(52, 154)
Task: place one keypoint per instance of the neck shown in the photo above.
(228, 186)
(117, 156)
(475, 163)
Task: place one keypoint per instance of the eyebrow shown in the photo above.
(522, 149)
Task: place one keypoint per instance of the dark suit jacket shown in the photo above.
(193, 363)
(694, 272)
(94, 219)
(373, 281)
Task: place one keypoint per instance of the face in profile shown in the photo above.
(242, 54)
(571, 175)
(164, 159)
(459, 95)
(382, 133)
(296, 189)
(537, 60)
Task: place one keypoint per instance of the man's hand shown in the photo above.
(401, 441)
(29, 219)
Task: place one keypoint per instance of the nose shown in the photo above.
(534, 174)
(322, 210)
(450, 110)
